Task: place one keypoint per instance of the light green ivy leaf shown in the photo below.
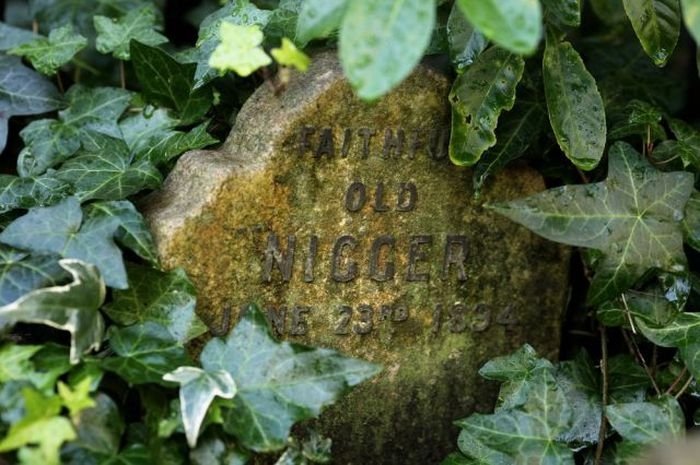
(382, 41)
(633, 218)
(198, 388)
(289, 55)
(279, 383)
(657, 24)
(73, 307)
(115, 34)
(515, 25)
(319, 19)
(47, 55)
(240, 50)
(60, 229)
(478, 97)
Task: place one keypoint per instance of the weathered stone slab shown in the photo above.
(349, 224)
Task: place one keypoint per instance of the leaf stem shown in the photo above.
(35, 26)
(634, 348)
(122, 76)
(83, 65)
(684, 388)
(676, 381)
(604, 372)
(59, 81)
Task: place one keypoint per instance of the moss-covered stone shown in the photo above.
(393, 259)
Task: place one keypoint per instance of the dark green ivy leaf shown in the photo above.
(60, 229)
(165, 298)
(633, 218)
(73, 307)
(648, 422)
(562, 13)
(48, 55)
(682, 333)
(144, 353)
(279, 383)
(25, 193)
(11, 36)
(478, 97)
(466, 42)
(107, 171)
(91, 110)
(657, 24)
(575, 106)
(21, 272)
(394, 35)
(515, 25)
(99, 430)
(641, 119)
(283, 21)
(153, 137)
(691, 221)
(114, 35)
(167, 82)
(319, 19)
(23, 92)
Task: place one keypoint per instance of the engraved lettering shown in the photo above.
(437, 319)
(299, 324)
(393, 143)
(365, 323)
(366, 135)
(387, 273)
(416, 255)
(283, 260)
(399, 314)
(437, 148)
(304, 140)
(310, 260)
(379, 205)
(347, 142)
(326, 145)
(351, 270)
(458, 320)
(342, 327)
(278, 319)
(455, 254)
(408, 195)
(355, 197)
(415, 144)
(481, 319)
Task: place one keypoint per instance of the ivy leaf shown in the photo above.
(25, 193)
(40, 365)
(11, 36)
(58, 230)
(165, 298)
(48, 55)
(289, 55)
(319, 19)
(580, 383)
(575, 106)
(691, 221)
(154, 137)
(132, 232)
(23, 92)
(687, 145)
(214, 450)
(382, 41)
(683, 333)
(516, 132)
(72, 307)
(240, 50)
(107, 171)
(76, 398)
(478, 97)
(648, 422)
(144, 353)
(691, 15)
(41, 426)
(198, 388)
(240, 12)
(91, 110)
(99, 429)
(114, 35)
(515, 25)
(633, 218)
(526, 430)
(657, 24)
(167, 82)
(283, 20)
(466, 42)
(562, 12)
(281, 384)
(642, 119)
(21, 272)
(15, 360)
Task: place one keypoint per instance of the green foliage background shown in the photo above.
(98, 99)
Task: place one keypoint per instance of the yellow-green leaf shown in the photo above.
(239, 50)
(289, 55)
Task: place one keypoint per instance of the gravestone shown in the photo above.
(348, 224)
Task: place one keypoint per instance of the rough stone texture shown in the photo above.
(217, 210)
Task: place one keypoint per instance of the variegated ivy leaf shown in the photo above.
(73, 307)
(48, 55)
(198, 388)
(633, 218)
(21, 272)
